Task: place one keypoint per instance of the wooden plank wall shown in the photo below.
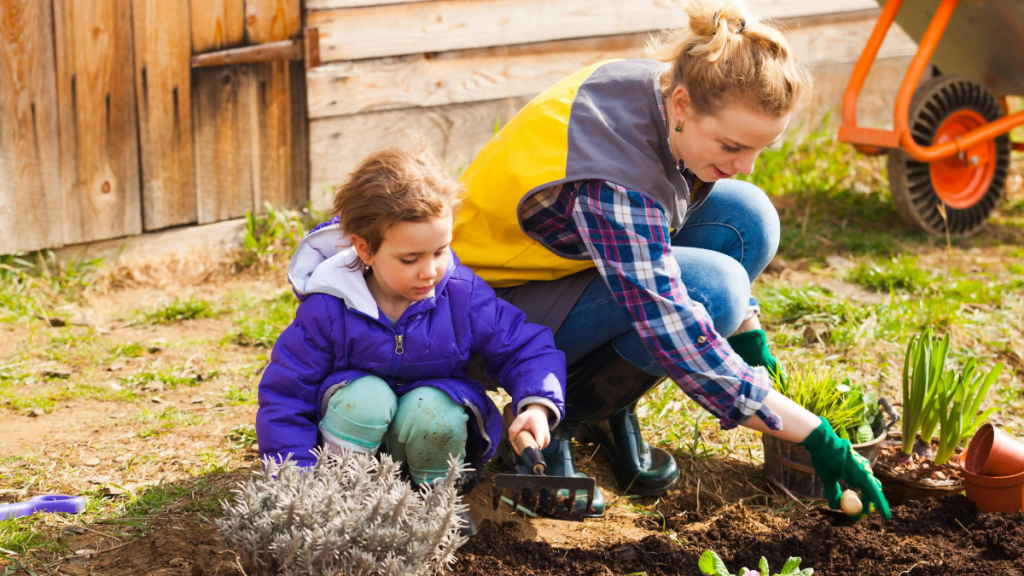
(30, 188)
(107, 131)
(452, 69)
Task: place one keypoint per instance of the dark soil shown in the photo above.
(946, 538)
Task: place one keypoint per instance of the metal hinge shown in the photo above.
(306, 49)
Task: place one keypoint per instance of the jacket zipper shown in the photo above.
(398, 344)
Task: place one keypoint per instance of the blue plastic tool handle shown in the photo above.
(45, 503)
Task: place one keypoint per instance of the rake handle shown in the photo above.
(526, 445)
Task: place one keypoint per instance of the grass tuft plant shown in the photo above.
(349, 514)
(823, 391)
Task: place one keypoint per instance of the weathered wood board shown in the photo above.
(163, 70)
(524, 70)
(272, 20)
(217, 24)
(279, 133)
(31, 206)
(98, 119)
(329, 4)
(221, 113)
(455, 133)
(376, 31)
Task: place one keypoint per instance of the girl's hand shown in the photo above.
(535, 419)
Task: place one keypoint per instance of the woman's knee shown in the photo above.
(358, 414)
(723, 288)
(748, 212)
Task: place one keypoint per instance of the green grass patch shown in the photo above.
(243, 435)
(178, 311)
(129, 350)
(172, 378)
(262, 324)
(48, 399)
(271, 237)
(19, 538)
(239, 396)
(33, 284)
(166, 419)
(830, 199)
(898, 273)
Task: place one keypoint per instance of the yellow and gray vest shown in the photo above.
(603, 122)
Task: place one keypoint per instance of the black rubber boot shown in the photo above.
(638, 467)
(601, 394)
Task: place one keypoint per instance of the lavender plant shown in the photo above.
(348, 515)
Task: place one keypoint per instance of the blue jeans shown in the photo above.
(723, 246)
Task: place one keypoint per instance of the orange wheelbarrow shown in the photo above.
(949, 149)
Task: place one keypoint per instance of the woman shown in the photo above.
(605, 209)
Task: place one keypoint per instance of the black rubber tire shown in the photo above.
(910, 180)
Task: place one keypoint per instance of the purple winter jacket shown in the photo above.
(339, 334)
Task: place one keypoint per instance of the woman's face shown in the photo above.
(722, 145)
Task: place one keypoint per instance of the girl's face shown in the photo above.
(722, 145)
(412, 258)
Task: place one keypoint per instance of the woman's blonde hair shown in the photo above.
(398, 184)
(725, 54)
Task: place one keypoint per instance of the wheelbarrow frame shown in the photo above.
(878, 141)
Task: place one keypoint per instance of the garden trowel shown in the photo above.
(533, 489)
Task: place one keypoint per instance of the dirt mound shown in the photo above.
(190, 548)
(922, 539)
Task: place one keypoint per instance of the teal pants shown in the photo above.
(421, 428)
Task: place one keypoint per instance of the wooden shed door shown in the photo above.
(107, 129)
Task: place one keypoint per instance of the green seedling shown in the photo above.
(923, 368)
(710, 563)
(959, 399)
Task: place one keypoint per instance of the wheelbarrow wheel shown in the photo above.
(971, 184)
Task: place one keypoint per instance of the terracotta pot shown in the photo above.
(994, 453)
(993, 494)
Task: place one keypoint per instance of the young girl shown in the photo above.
(379, 349)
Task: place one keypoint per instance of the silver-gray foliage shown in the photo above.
(348, 515)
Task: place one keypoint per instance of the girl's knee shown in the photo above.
(429, 422)
(358, 414)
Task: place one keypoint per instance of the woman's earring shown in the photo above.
(679, 127)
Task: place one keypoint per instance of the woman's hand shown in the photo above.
(833, 459)
(535, 419)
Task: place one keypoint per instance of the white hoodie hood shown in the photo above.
(322, 264)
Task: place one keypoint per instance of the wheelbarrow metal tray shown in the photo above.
(983, 41)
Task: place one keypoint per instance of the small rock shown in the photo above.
(817, 334)
(36, 412)
(158, 400)
(75, 529)
(111, 491)
(115, 366)
(939, 475)
(92, 462)
(124, 458)
(197, 400)
(86, 552)
(115, 386)
(153, 387)
(177, 563)
(58, 322)
(838, 262)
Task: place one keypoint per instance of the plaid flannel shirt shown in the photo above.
(627, 235)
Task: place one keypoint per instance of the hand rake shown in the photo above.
(535, 486)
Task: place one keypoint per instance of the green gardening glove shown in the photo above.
(752, 346)
(833, 460)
